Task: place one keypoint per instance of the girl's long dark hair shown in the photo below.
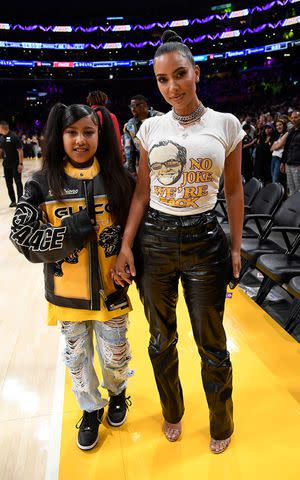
(118, 183)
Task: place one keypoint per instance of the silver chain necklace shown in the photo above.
(192, 117)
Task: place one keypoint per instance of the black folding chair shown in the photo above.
(293, 288)
(251, 189)
(278, 269)
(287, 222)
(262, 210)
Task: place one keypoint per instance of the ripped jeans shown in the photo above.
(114, 355)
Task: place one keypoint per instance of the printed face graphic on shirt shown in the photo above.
(166, 161)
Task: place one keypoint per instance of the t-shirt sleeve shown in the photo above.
(143, 135)
(234, 133)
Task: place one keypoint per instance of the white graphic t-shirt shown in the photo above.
(186, 162)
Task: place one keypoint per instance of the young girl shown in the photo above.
(70, 218)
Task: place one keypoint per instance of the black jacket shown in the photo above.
(60, 234)
(291, 152)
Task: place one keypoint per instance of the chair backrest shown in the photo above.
(289, 213)
(251, 189)
(268, 199)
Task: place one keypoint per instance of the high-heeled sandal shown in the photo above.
(218, 446)
(172, 431)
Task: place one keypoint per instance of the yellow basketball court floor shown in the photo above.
(38, 412)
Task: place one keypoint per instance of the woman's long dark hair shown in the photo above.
(118, 183)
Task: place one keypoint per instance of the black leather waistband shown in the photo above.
(182, 220)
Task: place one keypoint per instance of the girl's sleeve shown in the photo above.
(41, 242)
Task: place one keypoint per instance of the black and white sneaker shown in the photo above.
(117, 409)
(88, 435)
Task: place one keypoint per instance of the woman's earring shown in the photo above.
(197, 80)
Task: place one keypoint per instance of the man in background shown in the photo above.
(12, 153)
(291, 155)
(140, 110)
(98, 99)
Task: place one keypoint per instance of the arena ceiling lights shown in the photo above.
(171, 24)
(119, 45)
(274, 47)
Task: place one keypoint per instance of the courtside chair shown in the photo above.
(293, 288)
(251, 189)
(278, 269)
(287, 222)
(262, 210)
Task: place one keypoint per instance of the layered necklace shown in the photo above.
(192, 117)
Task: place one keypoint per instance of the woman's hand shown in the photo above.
(124, 268)
(236, 263)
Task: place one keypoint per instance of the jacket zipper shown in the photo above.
(93, 258)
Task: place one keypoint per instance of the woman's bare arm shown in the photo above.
(124, 268)
(279, 143)
(235, 204)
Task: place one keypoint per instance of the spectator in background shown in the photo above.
(290, 123)
(35, 146)
(260, 122)
(24, 145)
(277, 149)
(140, 111)
(247, 144)
(262, 168)
(12, 153)
(27, 146)
(30, 150)
(98, 100)
(270, 118)
(291, 155)
(251, 129)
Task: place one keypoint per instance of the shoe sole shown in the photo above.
(114, 424)
(88, 447)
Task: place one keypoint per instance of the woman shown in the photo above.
(262, 167)
(277, 149)
(181, 238)
(247, 162)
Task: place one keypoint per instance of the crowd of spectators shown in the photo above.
(267, 124)
(31, 145)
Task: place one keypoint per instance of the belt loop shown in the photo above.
(153, 213)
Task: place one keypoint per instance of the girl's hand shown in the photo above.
(236, 263)
(124, 267)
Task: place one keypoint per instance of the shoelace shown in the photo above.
(115, 400)
(86, 421)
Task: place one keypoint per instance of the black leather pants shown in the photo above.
(195, 250)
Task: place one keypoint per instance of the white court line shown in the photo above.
(52, 467)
